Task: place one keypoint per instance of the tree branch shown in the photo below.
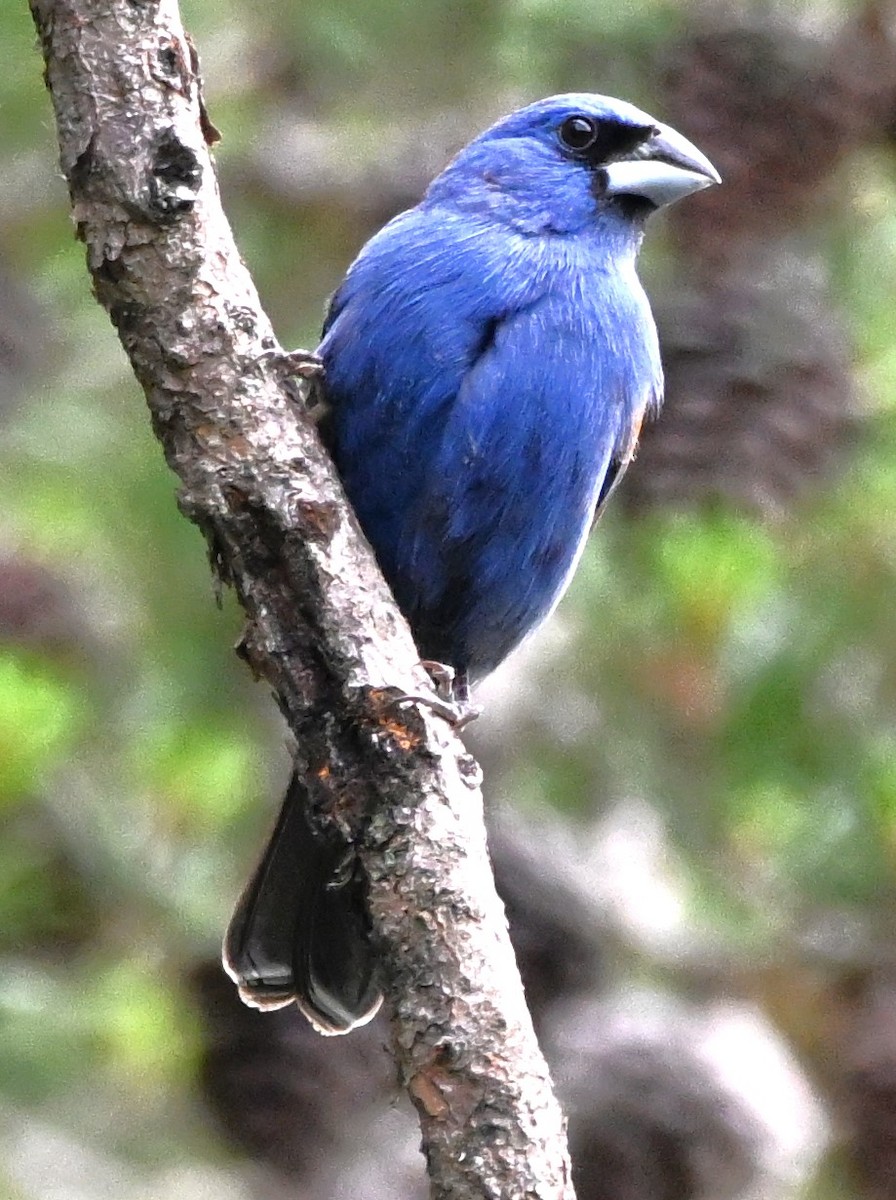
(322, 628)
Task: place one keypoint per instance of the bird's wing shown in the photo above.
(540, 429)
(623, 458)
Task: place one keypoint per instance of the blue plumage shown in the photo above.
(489, 360)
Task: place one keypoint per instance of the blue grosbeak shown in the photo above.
(489, 360)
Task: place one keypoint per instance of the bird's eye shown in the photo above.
(578, 133)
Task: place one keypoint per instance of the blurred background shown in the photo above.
(691, 772)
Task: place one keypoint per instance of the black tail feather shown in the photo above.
(299, 931)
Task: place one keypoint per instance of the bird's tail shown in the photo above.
(299, 932)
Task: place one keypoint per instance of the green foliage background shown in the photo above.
(742, 669)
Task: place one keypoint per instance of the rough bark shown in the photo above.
(322, 628)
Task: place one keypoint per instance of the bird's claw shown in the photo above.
(304, 365)
(452, 698)
(443, 677)
(457, 714)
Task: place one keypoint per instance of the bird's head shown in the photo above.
(556, 165)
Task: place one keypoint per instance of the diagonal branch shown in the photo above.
(322, 628)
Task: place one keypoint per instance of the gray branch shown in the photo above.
(321, 626)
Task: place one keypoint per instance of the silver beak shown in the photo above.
(662, 169)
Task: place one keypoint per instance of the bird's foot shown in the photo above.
(452, 698)
(445, 679)
(458, 716)
(307, 368)
(304, 363)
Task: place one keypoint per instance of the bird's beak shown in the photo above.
(663, 168)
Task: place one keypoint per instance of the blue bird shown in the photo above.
(489, 359)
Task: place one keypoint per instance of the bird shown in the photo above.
(489, 360)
